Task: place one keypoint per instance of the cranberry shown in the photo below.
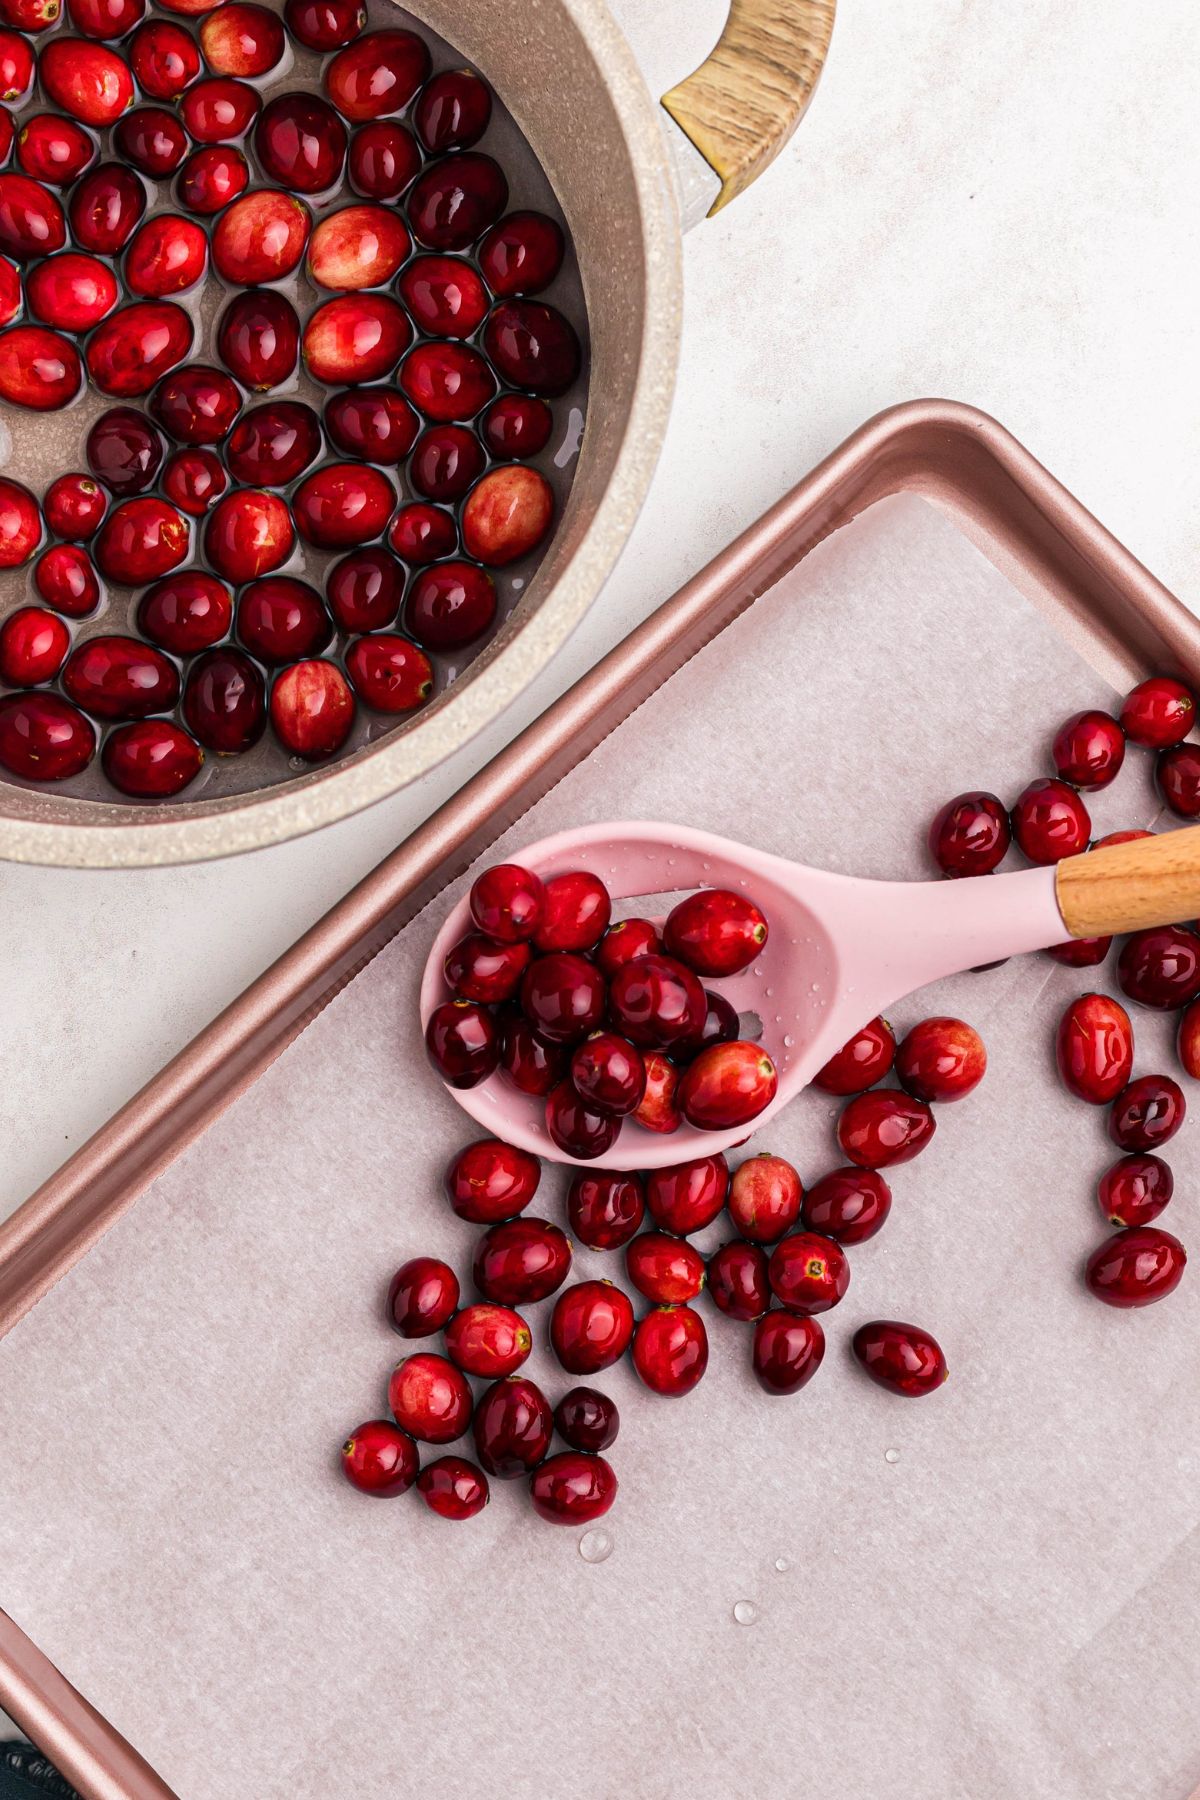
(562, 995)
(1158, 713)
(140, 540)
(105, 18)
(74, 507)
(374, 424)
(152, 139)
(273, 443)
(38, 368)
(224, 703)
(105, 207)
(579, 1129)
(453, 111)
(670, 1349)
(168, 255)
(300, 142)
(312, 709)
(721, 1026)
(342, 503)
(43, 738)
(715, 932)
(788, 1351)
(608, 1074)
(1160, 967)
(861, 1062)
(850, 1205)
(124, 451)
(364, 592)
(445, 296)
(53, 149)
(379, 1458)
(358, 337)
(517, 426)
(665, 1269)
(1188, 1043)
(1050, 821)
(194, 480)
(904, 1359)
(604, 1210)
(196, 405)
(33, 646)
(878, 1129)
(941, 1059)
(383, 159)
(152, 759)
(587, 1419)
(120, 678)
(31, 219)
(809, 1273)
(358, 247)
(446, 460)
(389, 674)
(507, 515)
(461, 1043)
(187, 612)
(687, 1196)
(1136, 1267)
(575, 912)
(1177, 772)
(521, 1261)
(422, 1297)
(970, 835)
(1147, 1114)
(656, 1001)
(211, 178)
(453, 202)
(377, 74)
(325, 24)
(164, 59)
(477, 968)
(87, 81)
(66, 580)
(521, 254)
(1089, 750)
(1095, 1048)
(625, 942)
(248, 533)
(281, 619)
(531, 1065)
(489, 1341)
(71, 291)
(218, 110)
(258, 338)
(20, 524)
(448, 381)
(430, 1398)
(261, 237)
(1081, 953)
(513, 1427)
(422, 534)
(572, 1488)
(532, 346)
(16, 66)
(764, 1198)
(453, 1488)
(1135, 1190)
(450, 606)
(133, 347)
(658, 1110)
(242, 39)
(490, 1181)
(30, 15)
(1120, 837)
(10, 291)
(727, 1085)
(508, 903)
(591, 1326)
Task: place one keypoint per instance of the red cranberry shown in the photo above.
(670, 1350)
(16, 66)
(359, 247)
(31, 219)
(1050, 821)
(342, 503)
(430, 1398)
(450, 606)
(164, 59)
(124, 451)
(1089, 750)
(788, 1351)
(105, 18)
(38, 368)
(1160, 967)
(120, 678)
(187, 612)
(577, 1128)
(136, 345)
(261, 237)
(737, 1280)
(1120, 837)
(446, 460)
(572, 1488)
(507, 515)
(971, 835)
(1188, 1043)
(513, 1427)
(658, 1110)
(281, 619)
(152, 139)
(941, 1059)
(715, 932)
(66, 580)
(517, 426)
(521, 1261)
(33, 646)
(87, 81)
(104, 210)
(625, 942)
(1158, 713)
(727, 1085)
(1147, 1114)
(53, 149)
(422, 1297)
(488, 1341)
(1177, 772)
(809, 1273)
(453, 111)
(325, 24)
(461, 1043)
(71, 291)
(665, 1269)
(531, 1065)
(562, 996)
(532, 346)
(258, 338)
(1136, 1267)
(364, 591)
(273, 443)
(152, 759)
(608, 1074)
(656, 1001)
(490, 1181)
(217, 110)
(587, 1419)
(168, 255)
(74, 507)
(687, 1196)
(445, 297)
(194, 480)
(575, 913)
(1135, 1190)
(383, 159)
(508, 903)
(861, 1062)
(379, 1459)
(881, 1128)
(1081, 953)
(478, 968)
(422, 534)
(721, 1026)
(312, 709)
(358, 337)
(447, 381)
(140, 540)
(31, 15)
(453, 1488)
(454, 201)
(521, 254)
(375, 424)
(389, 674)
(605, 1210)
(300, 142)
(211, 178)
(196, 405)
(20, 524)
(248, 534)
(1094, 1048)
(377, 74)
(849, 1206)
(242, 39)
(224, 703)
(764, 1198)
(904, 1359)
(591, 1326)
(43, 738)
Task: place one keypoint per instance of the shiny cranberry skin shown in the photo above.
(243, 40)
(377, 74)
(258, 338)
(572, 1488)
(33, 646)
(218, 110)
(66, 580)
(1094, 1048)
(521, 1261)
(624, 942)
(1147, 1114)
(878, 1129)
(665, 1269)
(1177, 773)
(447, 381)
(687, 1196)
(378, 1458)
(453, 202)
(1089, 750)
(449, 606)
(513, 1427)
(1050, 821)
(312, 709)
(721, 1026)
(737, 1280)
(576, 909)
(430, 1398)
(115, 677)
(849, 1206)
(358, 247)
(453, 1488)
(1160, 967)
(862, 1061)
(273, 443)
(445, 297)
(1158, 713)
(20, 524)
(446, 460)
(658, 1110)
(970, 835)
(788, 1351)
(605, 1210)
(383, 159)
(104, 209)
(764, 1198)
(489, 1341)
(10, 291)
(490, 1181)
(608, 1074)
(655, 1001)
(1135, 1190)
(670, 1350)
(904, 1359)
(301, 143)
(507, 515)
(280, 619)
(140, 540)
(531, 1065)
(16, 66)
(74, 507)
(261, 237)
(194, 480)
(579, 1129)
(152, 759)
(373, 424)
(715, 932)
(196, 405)
(224, 703)
(477, 968)
(89, 82)
(364, 590)
(521, 254)
(809, 1273)
(53, 149)
(248, 533)
(70, 291)
(1188, 1042)
(32, 16)
(591, 1326)
(422, 1297)
(461, 1042)
(124, 451)
(152, 139)
(164, 59)
(1080, 953)
(137, 345)
(1136, 1267)
(532, 346)
(43, 738)
(727, 1085)
(562, 996)
(211, 178)
(355, 338)
(342, 503)
(508, 903)
(389, 674)
(31, 219)
(942, 1059)
(325, 24)
(517, 426)
(453, 111)
(187, 612)
(38, 369)
(105, 18)
(587, 1419)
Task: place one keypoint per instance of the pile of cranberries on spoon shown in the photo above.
(330, 355)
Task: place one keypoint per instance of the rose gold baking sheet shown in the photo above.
(960, 1619)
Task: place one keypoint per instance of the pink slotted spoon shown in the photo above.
(841, 949)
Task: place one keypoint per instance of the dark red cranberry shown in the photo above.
(280, 619)
(53, 149)
(325, 24)
(1135, 1190)
(862, 1061)
(453, 1488)
(1089, 750)
(445, 296)
(532, 346)
(1177, 772)
(450, 606)
(490, 1181)
(38, 368)
(1080, 953)
(211, 178)
(20, 524)
(670, 1350)
(532, 1066)
(115, 677)
(575, 912)
(878, 1129)
(164, 59)
(430, 1398)
(422, 1297)
(447, 381)
(508, 903)
(124, 451)
(1147, 1114)
(446, 460)
(357, 337)
(737, 1280)
(378, 1458)
(312, 709)
(1050, 821)
(243, 40)
(970, 835)
(809, 1273)
(587, 1419)
(787, 1353)
(274, 443)
(576, 1127)
(389, 674)
(44, 738)
(189, 611)
(248, 533)
(849, 1206)
(194, 480)
(452, 202)
(1160, 967)
(572, 1488)
(1094, 1048)
(196, 405)
(591, 1326)
(513, 1427)
(461, 1043)
(477, 968)
(687, 1196)
(105, 18)
(1158, 713)
(521, 1261)
(88, 81)
(764, 1198)
(904, 1359)
(521, 254)
(715, 932)
(300, 142)
(666, 1269)
(727, 1085)
(942, 1059)
(608, 1074)
(562, 996)
(1136, 1267)
(605, 1210)
(137, 345)
(516, 426)
(507, 515)
(152, 759)
(70, 291)
(721, 1026)
(489, 1341)
(140, 540)
(258, 338)
(364, 590)
(655, 1001)
(104, 209)
(383, 159)
(1188, 1042)
(31, 219)
(374, 424)
(33, 646)
(377, 74)
(342, 503)
(261, 237)
(422, 534)
(152, 139)
(658, 1110)
(224, 703)
(357, 247)
(218, 110)
(453, 111)
(74, 507)
(66, 580)
(624, 942)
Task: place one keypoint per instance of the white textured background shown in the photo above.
(997, 204)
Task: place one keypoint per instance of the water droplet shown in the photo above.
(815, 988)
(788, 1041)
(595, 1546)
(891, 1456)
(782, 1565)
(745, 1612)
(767, 992)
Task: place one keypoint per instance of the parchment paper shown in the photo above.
(1008, 1608)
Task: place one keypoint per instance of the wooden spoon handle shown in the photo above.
(1151, 881)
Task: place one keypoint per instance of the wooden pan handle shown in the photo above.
(1126, 887)
(743, 103)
